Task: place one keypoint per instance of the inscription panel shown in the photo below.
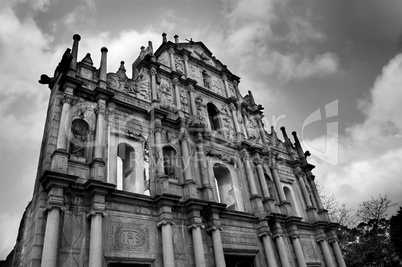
(129, 237)
(239, 239)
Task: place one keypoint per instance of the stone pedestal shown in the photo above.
(59, 161)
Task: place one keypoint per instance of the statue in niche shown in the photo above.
(184, 99)
(144, 91)
(166, 96)
(207, 79)
(79, 130)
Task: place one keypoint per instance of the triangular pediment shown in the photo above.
(201, 52)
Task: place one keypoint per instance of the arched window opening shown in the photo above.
(289, 198)
(170, 162)
(213, 116)
(79, 131)
(126, 156)
(223, 182)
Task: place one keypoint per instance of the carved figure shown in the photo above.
(178, 62)
(79, 129)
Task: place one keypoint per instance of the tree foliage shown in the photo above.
(371, 244)
(396, 232)
(367, 238)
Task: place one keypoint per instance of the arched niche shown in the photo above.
(213, 116)
(79, 138)
(170, 162)
(223, 182)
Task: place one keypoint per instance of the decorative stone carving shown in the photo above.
(207, 80)
(195, 73)
(165, 93)
(232, 90)
(201, 112)
(164, 59)
(178, 62)
(129, 237)
(216, 86)
(228, 128)
(184, 99)
(308, 250)
(253, 131)
(238, 239)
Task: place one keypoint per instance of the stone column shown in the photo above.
(192, 100)
(280, 243)
(325, 250)
(199, 254)
(51, 241)
(186, 68)
(95, 242)
(306, 195)
(338, 253)
(281, 194)
(263, 182)
(62, 140)
(245, 120)
(225, 82)
(218, 249)
(269, 251)
(177, 92)
(204, 168)
(185, 156)
(236, 123)
(153, 84)
(171, 52)
(98, 163)
(249, 172)
(298, 250)
(262, 131)
(315, 193)
(158, 147)
(167, 243)
(103, 68)
(100, 131)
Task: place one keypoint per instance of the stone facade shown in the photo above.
(171, 167)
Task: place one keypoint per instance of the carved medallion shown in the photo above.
(129, 237)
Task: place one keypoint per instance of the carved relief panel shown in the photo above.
(178, 62)
(129, 237)
(164, 59)
(196, 74)
(253, 131)
(184, 99)
(228, 126)
(165, 93)
(144, 86)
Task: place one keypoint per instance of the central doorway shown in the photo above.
(239, 261)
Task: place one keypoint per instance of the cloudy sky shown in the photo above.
(330, 70)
